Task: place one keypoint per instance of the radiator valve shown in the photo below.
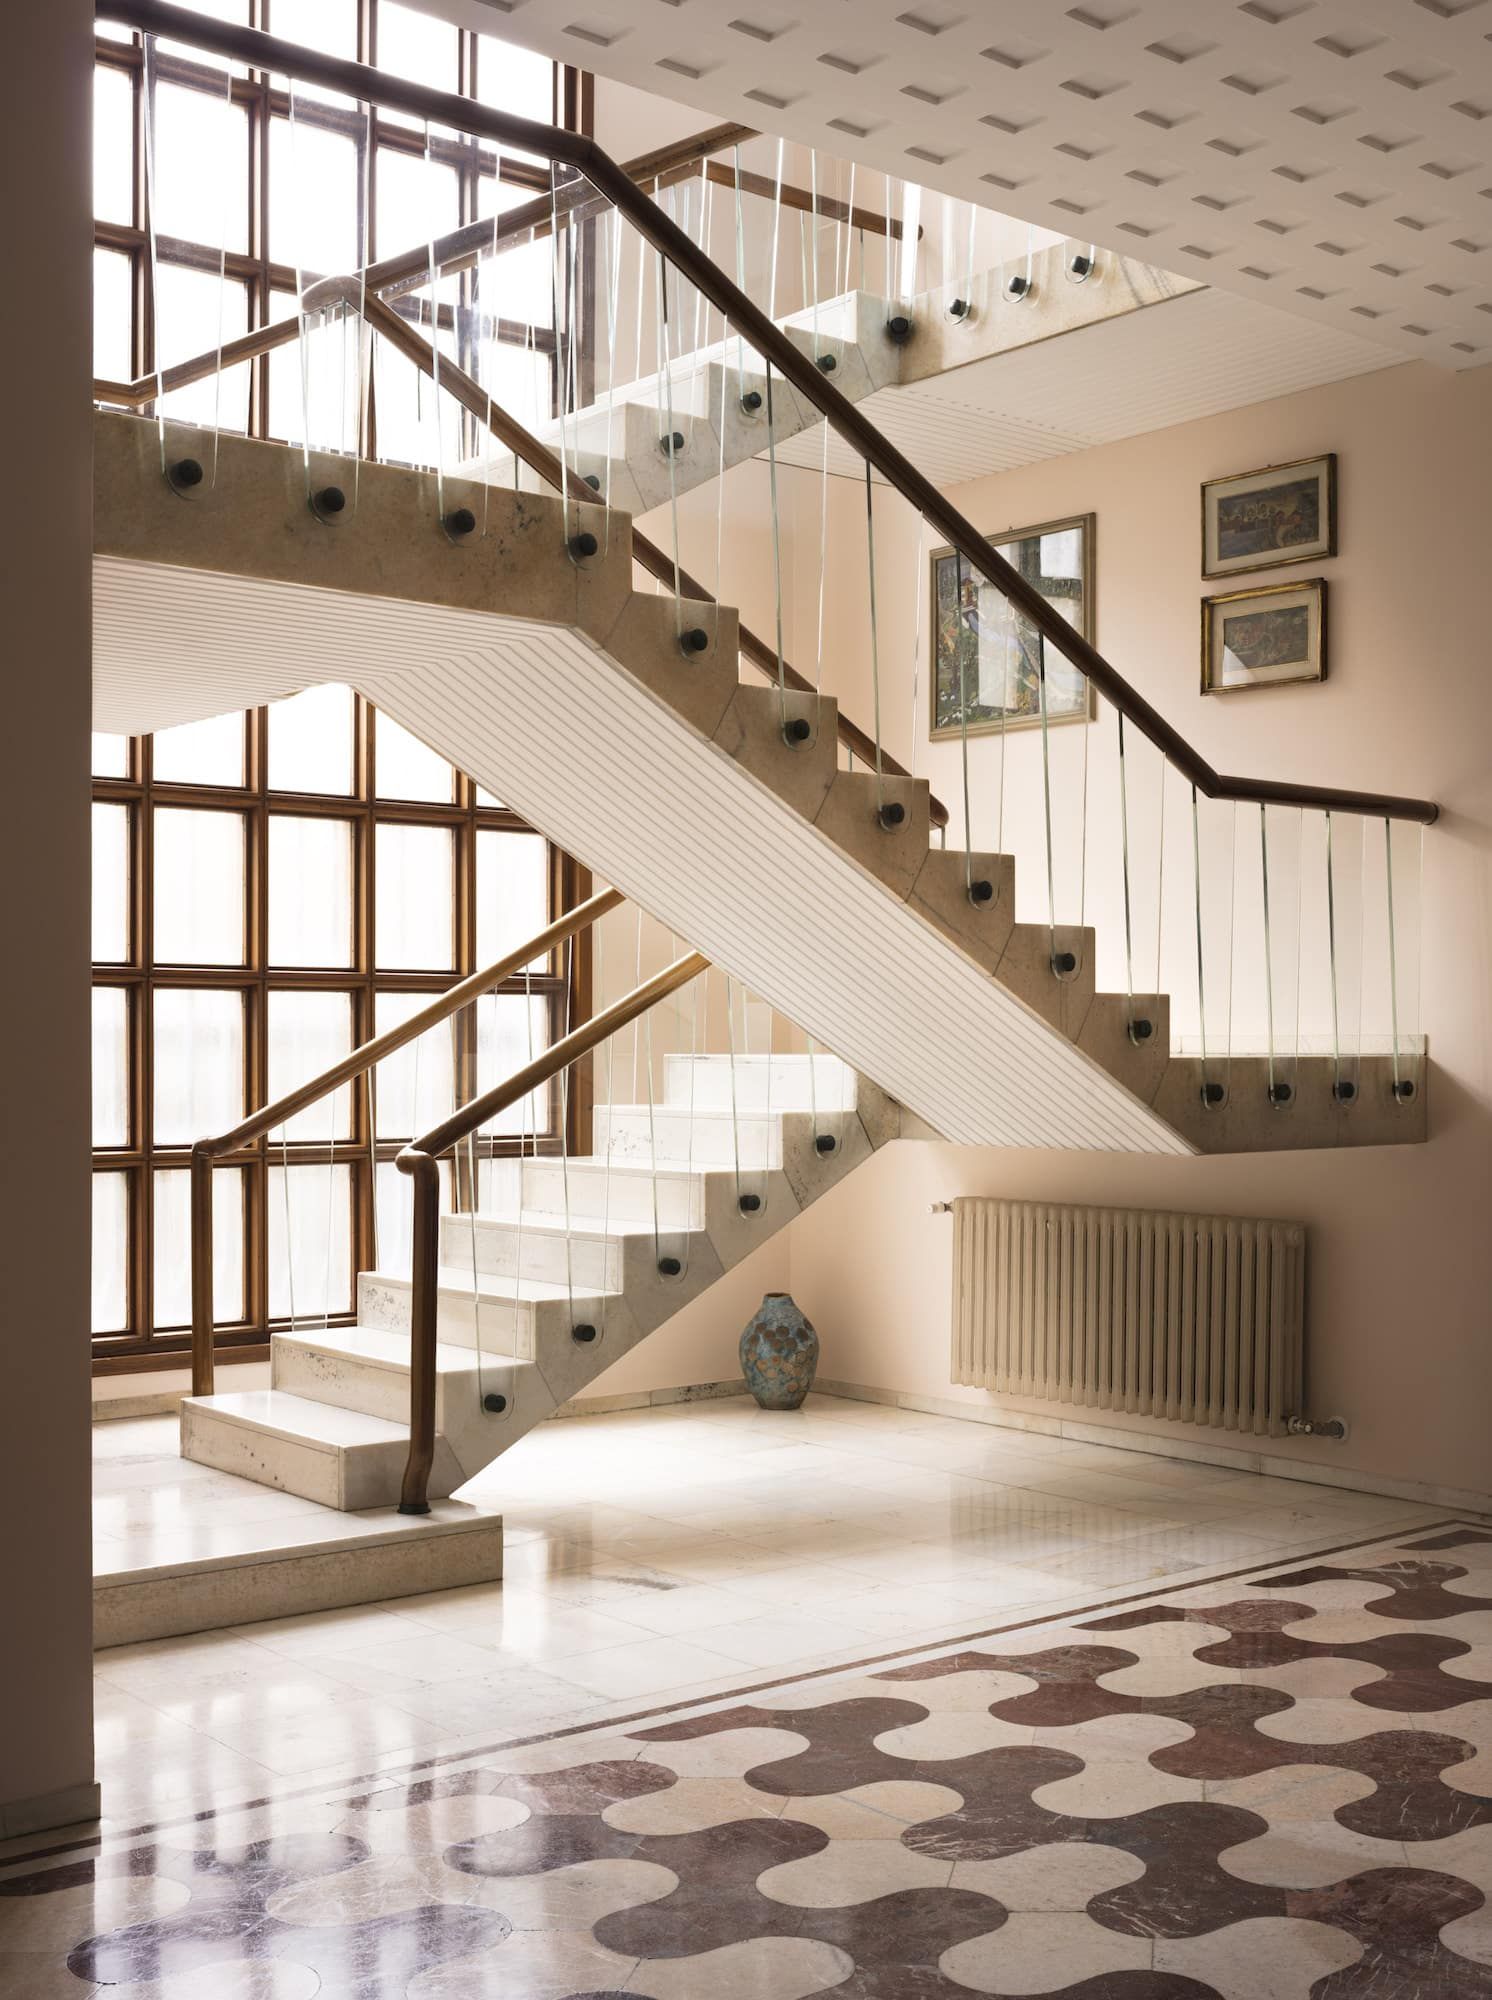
(1318, 1427)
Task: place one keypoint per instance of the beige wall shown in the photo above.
(46, 1747)
(1401, 1254)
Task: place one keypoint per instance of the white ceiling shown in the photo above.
(1332, 157)
(1167, 363)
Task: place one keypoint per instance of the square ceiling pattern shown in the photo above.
(1329, 157)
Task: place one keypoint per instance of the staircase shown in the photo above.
(505, 627)
(538, 1299)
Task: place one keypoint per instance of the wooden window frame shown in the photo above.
(565, 984)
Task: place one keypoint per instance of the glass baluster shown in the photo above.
(1279, 861)
(1213, 869)
(875, 649)
(1404, 843)
(1344, 903)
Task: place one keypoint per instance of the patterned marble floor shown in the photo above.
(673, 1552)
(1275, 1784)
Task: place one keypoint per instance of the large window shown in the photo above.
(267, 190)
(271, 889)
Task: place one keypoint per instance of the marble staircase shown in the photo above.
(542, 1295)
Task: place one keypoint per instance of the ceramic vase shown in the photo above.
(779, 1353)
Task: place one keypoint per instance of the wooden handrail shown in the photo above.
(573, 149)
(421, 1160)
(355, 1063)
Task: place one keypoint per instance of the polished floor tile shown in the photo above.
(1271, 1784)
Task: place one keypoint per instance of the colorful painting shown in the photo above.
(1255, 638)
(988, 659)
(1264, 520)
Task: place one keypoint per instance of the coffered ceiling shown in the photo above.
(1329, 157)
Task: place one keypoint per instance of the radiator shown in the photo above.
(1195, 1318)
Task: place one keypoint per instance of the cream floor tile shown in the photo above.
(645, 1667)
(774, 1639)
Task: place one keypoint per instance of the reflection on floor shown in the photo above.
(1273, 1786)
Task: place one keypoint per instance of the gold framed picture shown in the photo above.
(987, 658)
(1265, 637)
(1264, 520)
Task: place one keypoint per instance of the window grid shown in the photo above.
(564, 986)
(262, 276)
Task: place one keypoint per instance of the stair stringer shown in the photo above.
(564, 690)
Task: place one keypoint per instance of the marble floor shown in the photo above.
(1276, 1785)
(673, 1552)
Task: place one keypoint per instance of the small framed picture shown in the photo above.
(1259, 638)
(1263, 520)
(988, 660)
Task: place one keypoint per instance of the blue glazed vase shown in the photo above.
(779, 1353)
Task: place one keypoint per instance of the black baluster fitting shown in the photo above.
(898, 329)
(671, 443)
(583, 1333)
(1280, 1093)
(827, 363)
(891, 815)
(798, 730)
(584, 544)
(1018, 288)
(593, 480)
(460, 521)
(981, 891)
(494, 1404)
(1064, 961)
(751, 402)
(695, 640)
(825, 1143)
(1344, 1090)
(1403, 1090)
(669, 1267)
(750, 1203)
(328, 502)
(958, 309)
(185, 474)
(1141, 1030)
(1213, 1093)
(1080, 265)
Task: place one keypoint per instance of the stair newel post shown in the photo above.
(201, 1224)
(422, 1312)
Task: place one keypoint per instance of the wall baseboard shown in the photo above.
(1158, 1445)
(73, 1805)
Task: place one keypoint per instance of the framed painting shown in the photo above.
(987, 657)
(1261, 638)
(1264, 520)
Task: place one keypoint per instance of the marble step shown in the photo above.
(586, 1256)
(606, 1189)
(339, 1457)
(715, 399)
(768, 1084)
(367, 1369)
(710, 1139)
(502, 1316)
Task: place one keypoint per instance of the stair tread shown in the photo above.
(377, 1344)
(498, 1285)
(282, 1413)
(584, 1228)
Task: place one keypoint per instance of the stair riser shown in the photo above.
(499, 1330)
(505, 1250)
(347, 1477)
(781, 1085)
(711, 1138)
(593, 1193)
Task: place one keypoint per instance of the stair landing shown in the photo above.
(189, 1548)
